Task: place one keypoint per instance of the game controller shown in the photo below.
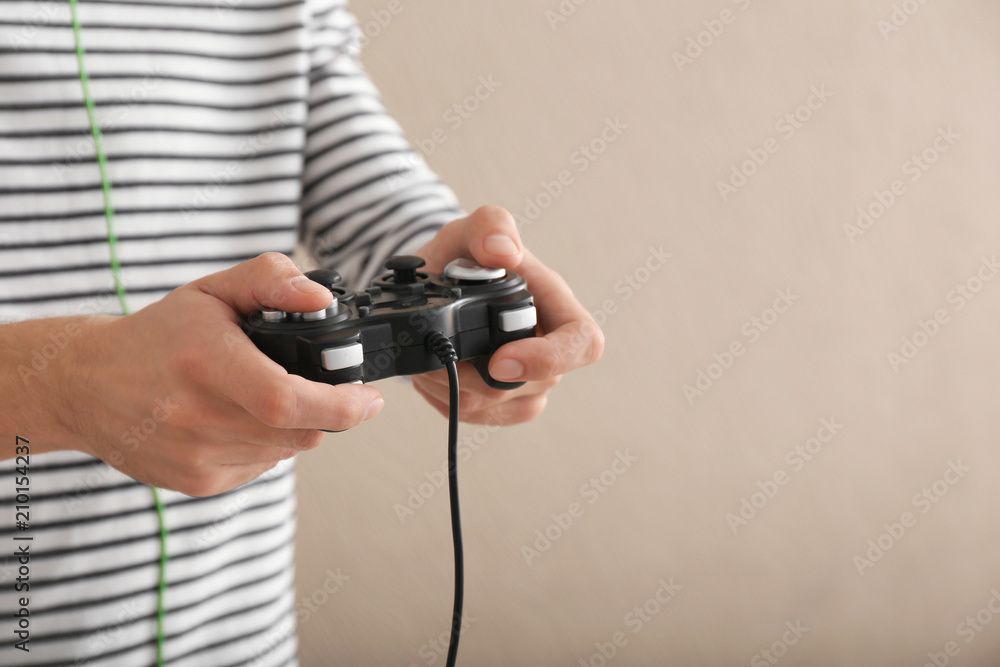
(387, 329)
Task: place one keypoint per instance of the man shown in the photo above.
(219, 132)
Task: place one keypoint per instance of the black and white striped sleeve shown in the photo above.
(367, 194)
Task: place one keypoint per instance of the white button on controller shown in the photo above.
(270, 315)
(329, 311)
(515, 320)
(467, 269)
(345, 356)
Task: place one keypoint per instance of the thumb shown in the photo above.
(270, 280)
(489, 236)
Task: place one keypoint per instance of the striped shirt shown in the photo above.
(231, 128)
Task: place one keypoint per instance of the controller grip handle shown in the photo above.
(482, 366)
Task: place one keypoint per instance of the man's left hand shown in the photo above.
(568, 337)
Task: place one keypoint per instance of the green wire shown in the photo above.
(116, 270)
(161, 590)
(102, 161)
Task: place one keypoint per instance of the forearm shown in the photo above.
(41, 363)
(367, 194)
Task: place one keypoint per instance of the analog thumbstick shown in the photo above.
(404, 268)
(324, 277)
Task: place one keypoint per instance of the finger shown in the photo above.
(487, 415)
(489, 235)
(518, 411)
(269, 281)
(557, 305)
(469, 382)
(292, 402)
(219, 479)
(571, 346)
(197, 457)
(255, 433)
(475, 394)
(246, 454)
(515, 411)
(227, 422)
(240, 475)
(436, 403)
(573, 338)
(279, 399)
(470, 398)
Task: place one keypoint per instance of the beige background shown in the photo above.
(826, 357)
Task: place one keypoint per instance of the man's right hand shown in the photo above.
(177, 396)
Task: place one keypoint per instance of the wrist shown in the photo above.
(77, 386)
(51, 371)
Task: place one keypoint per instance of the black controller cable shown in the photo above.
(445, 351)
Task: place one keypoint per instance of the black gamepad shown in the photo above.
(384, 330)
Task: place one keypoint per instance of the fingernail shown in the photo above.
(303, 284)
(499, 244)
(373, 409)
(508, 369)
